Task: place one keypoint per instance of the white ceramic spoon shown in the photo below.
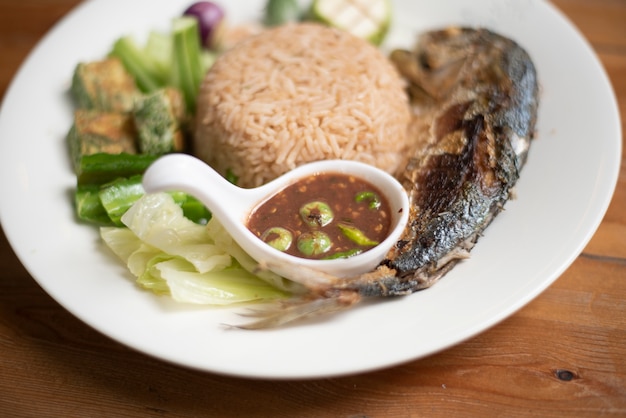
(232, 205)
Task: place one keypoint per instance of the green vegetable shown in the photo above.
(225, 241)
(230, 285)
(101, 168)
(316, 214)
(150, 278)
(188, 68)
(208, 59)
(193, 209)
(373, 198)
(158, 119)
(165, 274)
(279, 12)
(104, 194)
(159, 222)
(171, 255)
(124, 243)
(143, 67)
(368, 19)
(277, 237)
(175, 59)
(314, 243)
(118, 196)
(158, 50)
(355, 235)
(231, 177)
(88, 205)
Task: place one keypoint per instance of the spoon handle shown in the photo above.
(180, 172)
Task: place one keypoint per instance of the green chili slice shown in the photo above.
(277, 237)
(355, 235)
(316, 214)
(374, 200)
(314, 243)
(344, 254)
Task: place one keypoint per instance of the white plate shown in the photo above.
(562, 195)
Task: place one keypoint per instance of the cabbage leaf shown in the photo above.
(171, 255)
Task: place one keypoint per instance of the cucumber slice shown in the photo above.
(367, 19)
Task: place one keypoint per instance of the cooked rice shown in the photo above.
(296, 94)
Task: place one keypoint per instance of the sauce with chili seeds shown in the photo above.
(351, 214)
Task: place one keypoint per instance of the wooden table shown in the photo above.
(564, 354)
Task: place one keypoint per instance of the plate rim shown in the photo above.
(23, 255)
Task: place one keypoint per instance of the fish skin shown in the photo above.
(475, 94)
(477, 122)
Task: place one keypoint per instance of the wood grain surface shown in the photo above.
(564, 354)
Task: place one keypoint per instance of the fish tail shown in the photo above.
(279, 314)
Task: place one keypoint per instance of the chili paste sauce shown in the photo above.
(324, 216)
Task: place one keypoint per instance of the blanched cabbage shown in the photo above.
(230, 285)
(156, 220)
(170, 254)
(223, 240)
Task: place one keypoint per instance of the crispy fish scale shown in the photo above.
(475, 97)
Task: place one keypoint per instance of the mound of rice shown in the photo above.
(296, 94)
